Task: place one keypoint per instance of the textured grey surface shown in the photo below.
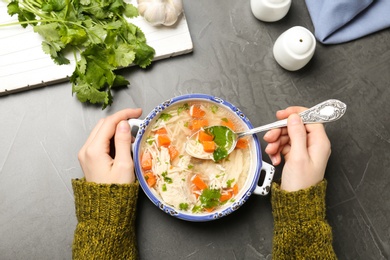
(43, 129)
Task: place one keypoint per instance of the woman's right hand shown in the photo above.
(96, 155)
(305, 148)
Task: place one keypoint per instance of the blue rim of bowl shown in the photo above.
(198, 217)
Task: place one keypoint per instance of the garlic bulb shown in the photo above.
(158, 12)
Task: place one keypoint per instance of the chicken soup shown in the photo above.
(185, 182)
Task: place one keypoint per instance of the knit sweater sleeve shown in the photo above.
(300, 228)
(106, 220)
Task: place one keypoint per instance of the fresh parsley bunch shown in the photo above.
(97, 33)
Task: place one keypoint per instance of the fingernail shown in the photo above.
(295, 119)
(273, 159)
(123, 127)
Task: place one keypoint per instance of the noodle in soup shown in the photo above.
(182, 181)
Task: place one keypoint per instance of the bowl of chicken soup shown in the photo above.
(186, 187)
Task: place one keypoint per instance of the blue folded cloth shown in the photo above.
(338, 21)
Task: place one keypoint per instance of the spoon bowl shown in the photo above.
(226, 139)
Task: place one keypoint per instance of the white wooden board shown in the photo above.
(23, 64)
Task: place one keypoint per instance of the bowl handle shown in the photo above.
(269, 174)
(134, 122)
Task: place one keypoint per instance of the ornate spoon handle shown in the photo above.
(325, 112)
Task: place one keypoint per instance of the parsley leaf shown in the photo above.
(210, 198)
(219, 153)
(229, 183)
(183, 206)
(223, 138)
(166, 179)
(182, 108)
(165, 116)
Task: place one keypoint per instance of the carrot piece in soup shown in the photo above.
(146, 161)
(150, 179)
(199, 183)
(225, 196)
(209, 209)
(203, 136)
(242, 143)
(161, 131)
(196, 191)
(173, 152)
(227, 122)
(235, 189)
(208, 146)
(196, 111)
(163, 140)
(197, 124)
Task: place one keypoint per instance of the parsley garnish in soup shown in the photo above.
(165, 116)
(222, 138)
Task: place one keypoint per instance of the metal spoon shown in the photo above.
(325, 112)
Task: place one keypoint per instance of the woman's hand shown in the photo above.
(306, 150)
(95, 159)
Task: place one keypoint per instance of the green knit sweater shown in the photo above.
(300, 228)
(106, 222)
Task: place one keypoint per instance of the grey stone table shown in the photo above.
(43, 129)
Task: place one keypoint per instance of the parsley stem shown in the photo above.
(43, 21)
(75, 58)
(19, 23)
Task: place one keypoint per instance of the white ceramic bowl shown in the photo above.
(251, 185)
